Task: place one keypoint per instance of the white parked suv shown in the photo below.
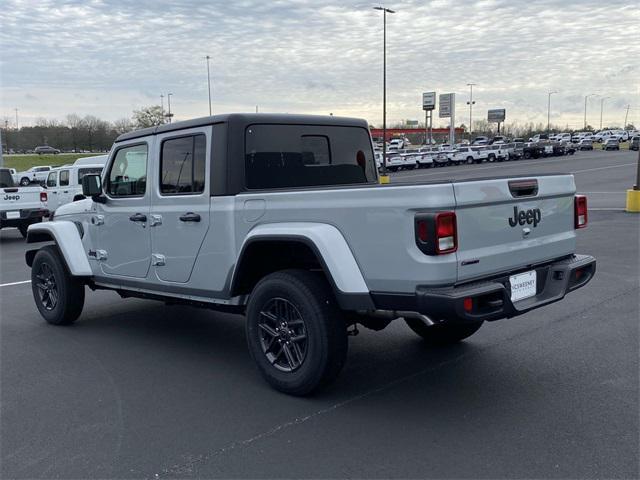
(469, 155)
(64, 184)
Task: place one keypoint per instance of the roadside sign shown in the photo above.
(412, 123)
(497, 115)
(429, 101)
(446, 105)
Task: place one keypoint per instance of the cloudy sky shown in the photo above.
(107, 58)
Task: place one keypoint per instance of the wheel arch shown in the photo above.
(308, 246)
(66, 236)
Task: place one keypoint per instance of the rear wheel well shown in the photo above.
(263, 257)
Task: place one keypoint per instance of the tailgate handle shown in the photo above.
(523, 188)
(10, 190)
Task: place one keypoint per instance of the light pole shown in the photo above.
(17, 126)
(601, 109)
(384, 86)
(169, 115)
(162, 106)
(549, 111)
(471, 103)
(586, 97)
(209, 84)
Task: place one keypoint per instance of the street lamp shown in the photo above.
(209, 84)
(601, 108)
(586, 97)
(162, 106)
(549, 111)
(384, 86)
(471, 103)
(169, 114)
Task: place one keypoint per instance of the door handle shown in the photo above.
(138, 217)
(190, 217)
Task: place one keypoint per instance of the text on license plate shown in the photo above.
(523, 285)
(12, 215)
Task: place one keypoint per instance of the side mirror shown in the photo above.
(92, 186)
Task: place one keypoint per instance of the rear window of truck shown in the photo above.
(285, 156)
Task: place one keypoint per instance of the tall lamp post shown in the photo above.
(586, 97)
(162, 106)
(471, 103)
(384, 87)
(601, 109)
(209, 84)
(549, 111)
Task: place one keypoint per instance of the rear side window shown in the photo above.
(182, 165)
(285, 156)
(64, 178)
(52, 179)
(128, 174)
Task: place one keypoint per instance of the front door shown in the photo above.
(180, 206)
(124, 239)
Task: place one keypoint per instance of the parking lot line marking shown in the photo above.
(14, 283)
(604, 168)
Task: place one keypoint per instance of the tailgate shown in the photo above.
(15, 198)
(510, 223)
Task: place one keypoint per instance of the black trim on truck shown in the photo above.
(491, 299)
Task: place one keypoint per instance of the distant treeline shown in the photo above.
(75, 133)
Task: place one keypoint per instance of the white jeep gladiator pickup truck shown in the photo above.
(281, 218)
(20, 206)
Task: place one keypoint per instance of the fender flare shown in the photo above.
(67, 237)
(328, 243)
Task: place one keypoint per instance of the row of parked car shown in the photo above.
(444, 155)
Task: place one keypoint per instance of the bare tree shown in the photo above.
(123, 125)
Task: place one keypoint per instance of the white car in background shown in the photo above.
(469, 155)
(563, 137)
(427, 156)
(64, 184)
(497, 152)
(33, 175)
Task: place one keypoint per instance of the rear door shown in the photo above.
(181, 196)
(63, 182)
(52, 191)
(506, 224)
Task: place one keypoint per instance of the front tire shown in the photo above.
(443, 333)
(24, 181)
(58, 295)
(295, 331)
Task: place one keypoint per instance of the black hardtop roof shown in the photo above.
(245, 119)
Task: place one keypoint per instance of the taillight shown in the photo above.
(436, 233)
(581, 216)
(43, 196)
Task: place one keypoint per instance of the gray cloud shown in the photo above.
(107, 57)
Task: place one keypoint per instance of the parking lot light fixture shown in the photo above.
(384, 86)
(471, 103)
(586, 97)
(209, 84)
(601, 109)
(549, 111)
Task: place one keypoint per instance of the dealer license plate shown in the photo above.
(523, 285)
(13, 215)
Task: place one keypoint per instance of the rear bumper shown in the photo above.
(491, 299)
(27, 215)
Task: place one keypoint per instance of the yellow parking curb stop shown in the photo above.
(384, 179)
(633, 201)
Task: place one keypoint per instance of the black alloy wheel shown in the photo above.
(283, 335)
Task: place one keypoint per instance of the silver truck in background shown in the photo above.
(281, 218)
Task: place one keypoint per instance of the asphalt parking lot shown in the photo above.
(136, 389)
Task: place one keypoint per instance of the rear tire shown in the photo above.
(24, 181)
(58, 295)
(443, 333)
(296, 333)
